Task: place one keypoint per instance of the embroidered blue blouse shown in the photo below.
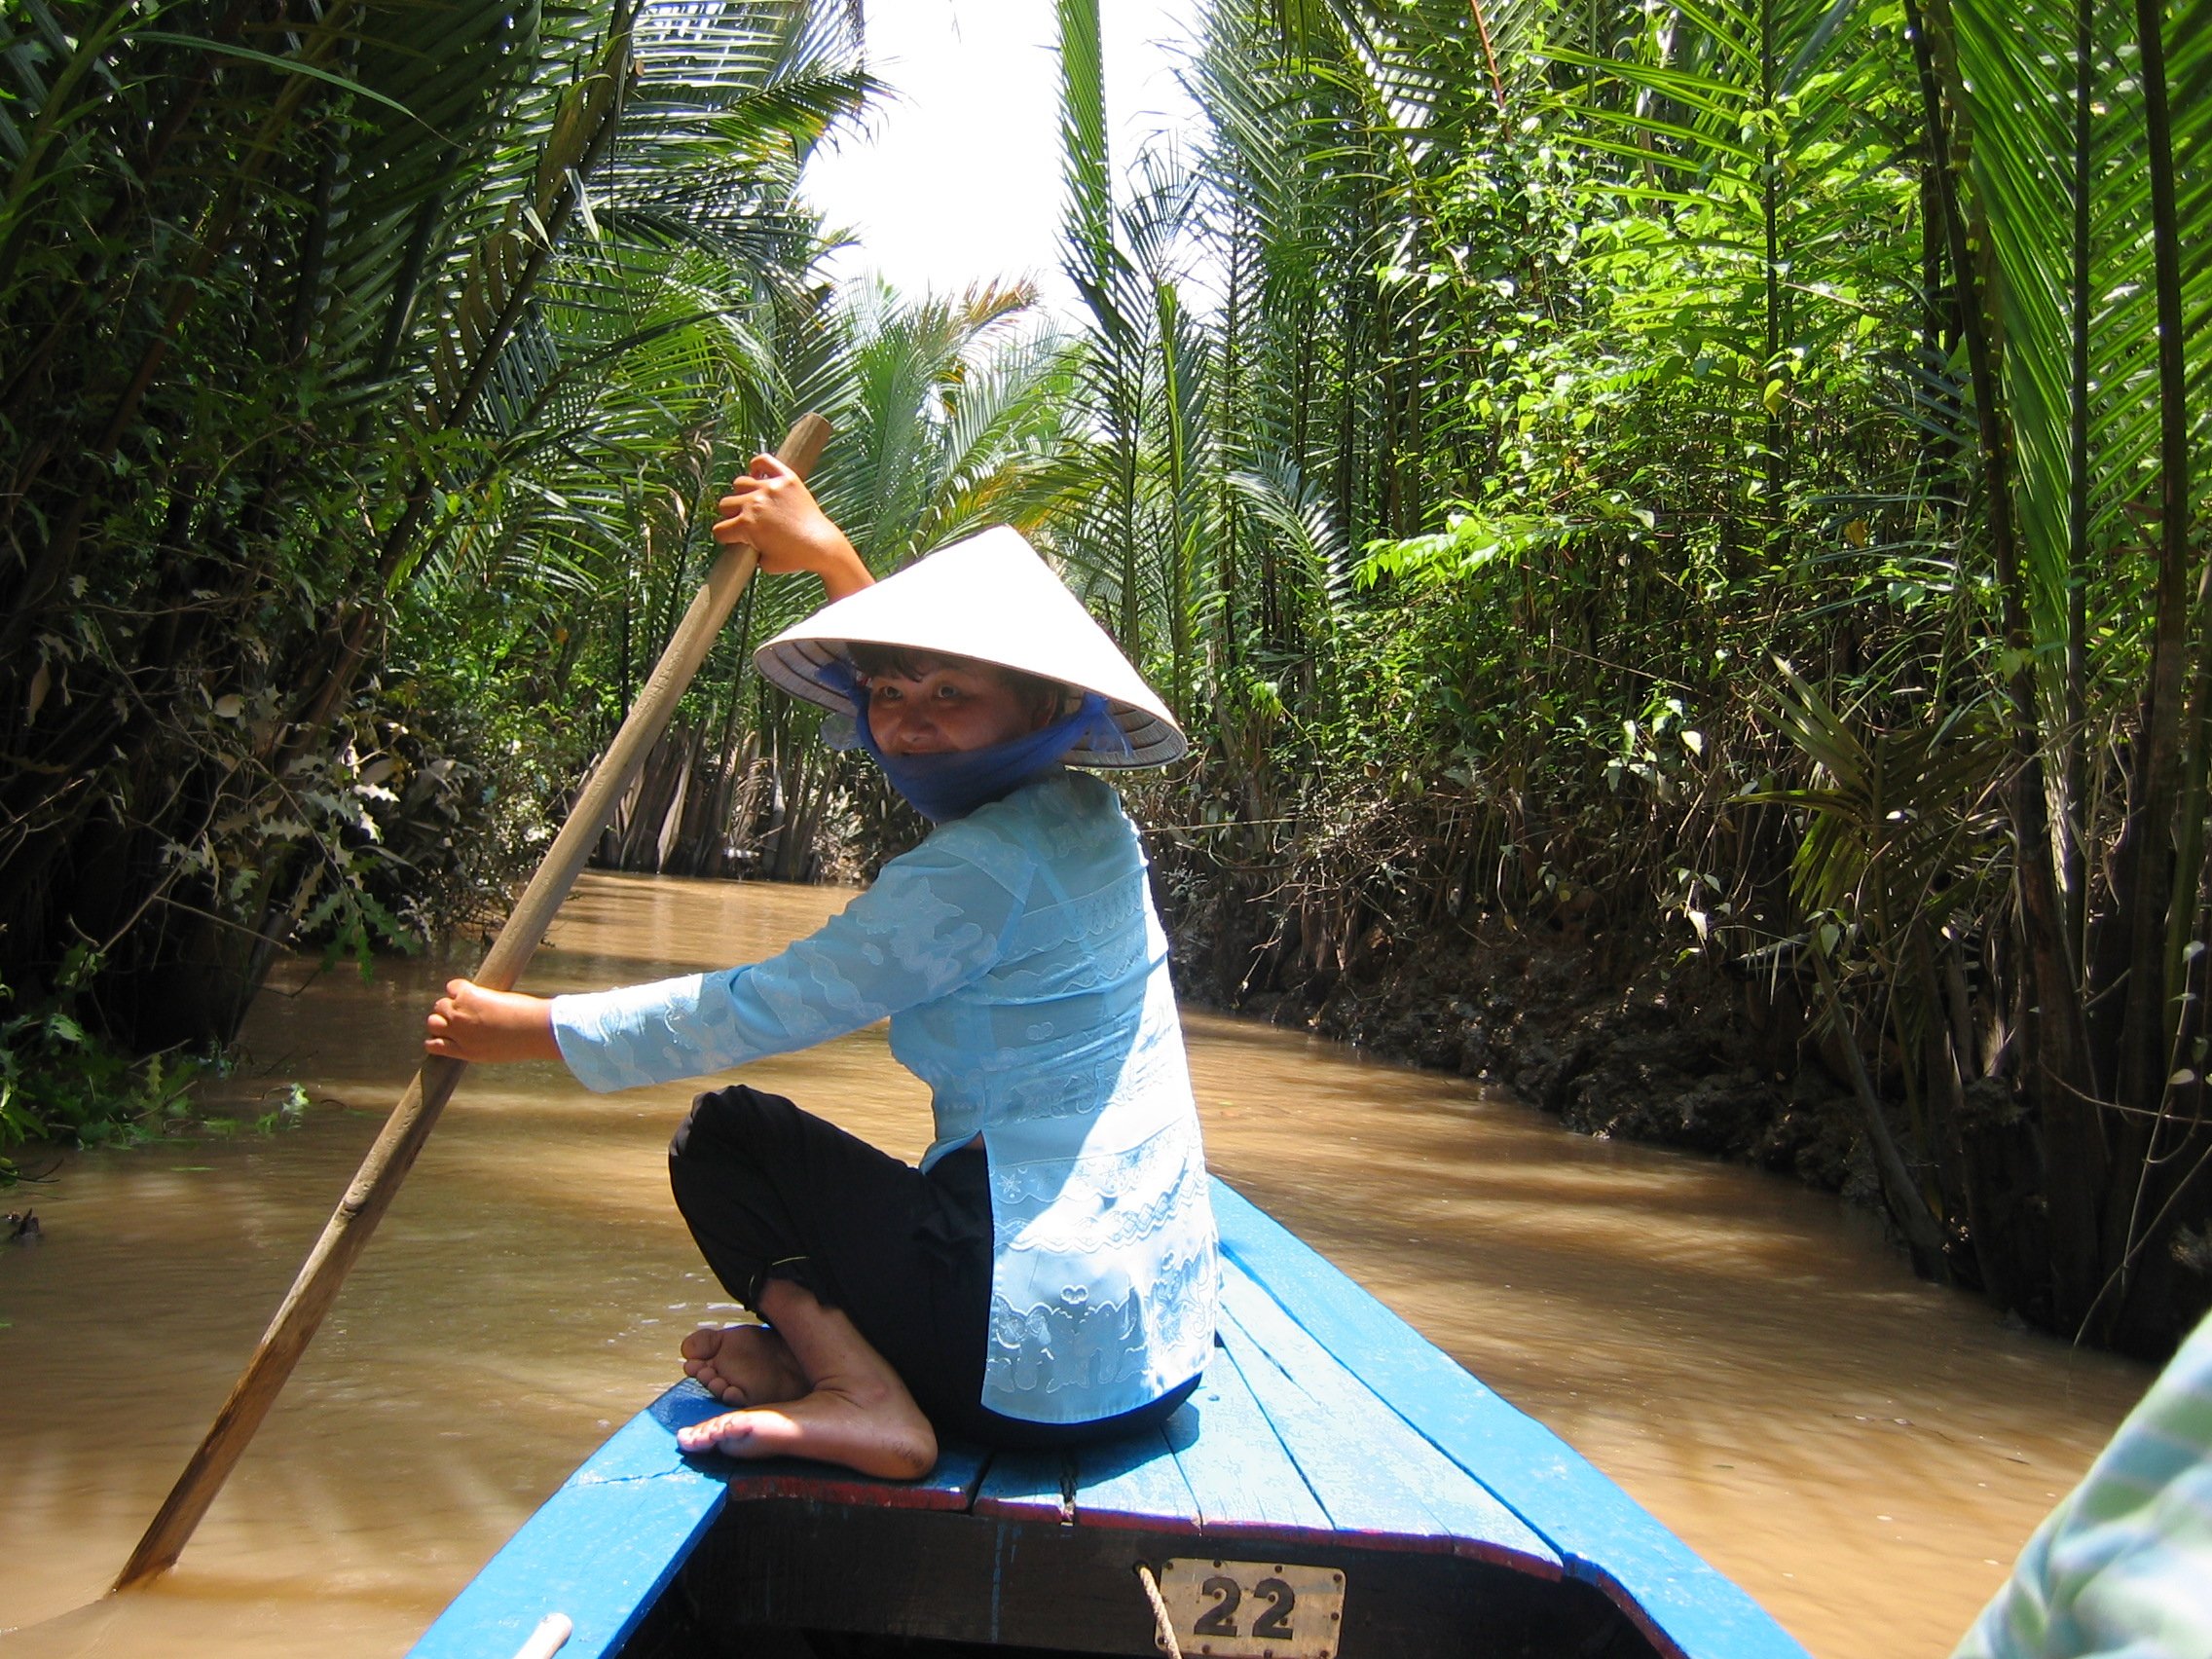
(1024, 972)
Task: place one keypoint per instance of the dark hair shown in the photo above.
(1038, 695)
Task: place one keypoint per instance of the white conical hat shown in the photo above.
(993, 599)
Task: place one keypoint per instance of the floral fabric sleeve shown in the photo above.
(933, 922)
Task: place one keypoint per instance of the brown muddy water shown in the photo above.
(1862, 1452)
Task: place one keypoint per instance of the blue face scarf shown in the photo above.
(945, 787)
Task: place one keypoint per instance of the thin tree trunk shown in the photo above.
(2074, 862)
(2057, 1078)
(2161, 911)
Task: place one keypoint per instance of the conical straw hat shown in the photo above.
(993, 599)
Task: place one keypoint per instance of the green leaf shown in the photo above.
(289, 65)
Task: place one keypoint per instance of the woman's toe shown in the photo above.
(727, 1429)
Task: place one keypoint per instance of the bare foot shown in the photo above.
(867, 1428)
(743, 1365)
(854, 1410)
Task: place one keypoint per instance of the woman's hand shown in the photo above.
(771, 510)
(472, 1023)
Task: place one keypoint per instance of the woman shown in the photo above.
(1048, 1274)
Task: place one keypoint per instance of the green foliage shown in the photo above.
(384, 332)
(62, 1083)
(1634, 349)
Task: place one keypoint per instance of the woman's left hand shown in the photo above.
(770, 509)
(472, 1023)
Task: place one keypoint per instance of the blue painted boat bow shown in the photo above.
(1324, 1418)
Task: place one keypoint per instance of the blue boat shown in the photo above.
(1336, 1489)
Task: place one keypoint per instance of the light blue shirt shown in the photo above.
(1024, 973)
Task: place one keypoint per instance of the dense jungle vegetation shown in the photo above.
(1719, 488)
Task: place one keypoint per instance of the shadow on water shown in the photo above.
(1862, 1452)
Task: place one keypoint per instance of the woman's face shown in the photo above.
(946, 706)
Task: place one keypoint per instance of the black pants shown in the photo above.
(772, 1192)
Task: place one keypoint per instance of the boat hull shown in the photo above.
(995, 1585)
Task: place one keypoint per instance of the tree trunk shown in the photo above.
(2057, 1079)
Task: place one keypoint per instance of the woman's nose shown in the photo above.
(906, 723)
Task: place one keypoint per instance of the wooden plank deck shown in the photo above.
(1323, 1420)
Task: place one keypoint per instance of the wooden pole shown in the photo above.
(389, 1160)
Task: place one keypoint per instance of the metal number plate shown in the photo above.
(1260, 1610)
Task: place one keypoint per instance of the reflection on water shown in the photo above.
(1861, 1452)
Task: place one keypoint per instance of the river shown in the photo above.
(1863, 1452)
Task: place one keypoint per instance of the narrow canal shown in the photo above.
(1863, 1452)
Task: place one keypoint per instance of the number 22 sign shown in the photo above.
(1248, 1609)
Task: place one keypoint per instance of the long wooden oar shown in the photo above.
(416, 1114)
